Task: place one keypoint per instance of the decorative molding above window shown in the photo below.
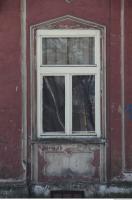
(68, 1)
(68, 22)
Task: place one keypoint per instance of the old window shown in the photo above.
(68, 83)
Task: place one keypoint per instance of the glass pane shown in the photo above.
(63, 51)
(83, 103)
(53, 104)
(54, 51)
(81, 51)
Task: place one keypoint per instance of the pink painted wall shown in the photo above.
(106, 13)
(10, 90)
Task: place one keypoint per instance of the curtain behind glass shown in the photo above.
(63, 51)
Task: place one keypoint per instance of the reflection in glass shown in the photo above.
(53, 104)
(83, 103)
(63, 51)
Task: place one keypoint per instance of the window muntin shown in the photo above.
(83, 72)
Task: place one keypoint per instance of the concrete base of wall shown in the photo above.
(121, 190)
(13, 190)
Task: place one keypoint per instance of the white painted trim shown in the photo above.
(97, 105)
(39, 88)
(68, 72)
(97, 49)
(123, 83)
(68, 104)
(103, 152)
(68, 66)
(80, 135)
(97, 85)
(67, 33)
(24, 87)
(34, 160)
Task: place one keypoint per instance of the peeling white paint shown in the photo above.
(119, 109)
(40, 190)
(24, 165)
(16, 88)
(5, 148)
(90, 190)
(125, 177)
(68, 160)
(61, 164)
(113, 107)
(68, 1)
(104, 190)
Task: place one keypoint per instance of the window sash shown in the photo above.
(68, 71)
(71, 34)
(68, 106)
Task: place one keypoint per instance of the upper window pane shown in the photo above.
(72, 51)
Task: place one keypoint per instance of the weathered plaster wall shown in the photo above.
(10, 90)
(71, 161)
(105, 12)
(114, 89)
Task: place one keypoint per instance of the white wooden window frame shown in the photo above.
(68, 71)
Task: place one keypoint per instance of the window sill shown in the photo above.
(83, 140)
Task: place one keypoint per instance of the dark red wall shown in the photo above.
(10, 90)
(107, 13)
(114, 88)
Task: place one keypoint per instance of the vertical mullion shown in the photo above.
(68, 104)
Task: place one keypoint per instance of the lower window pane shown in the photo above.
(53, 104)
(83, 103)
